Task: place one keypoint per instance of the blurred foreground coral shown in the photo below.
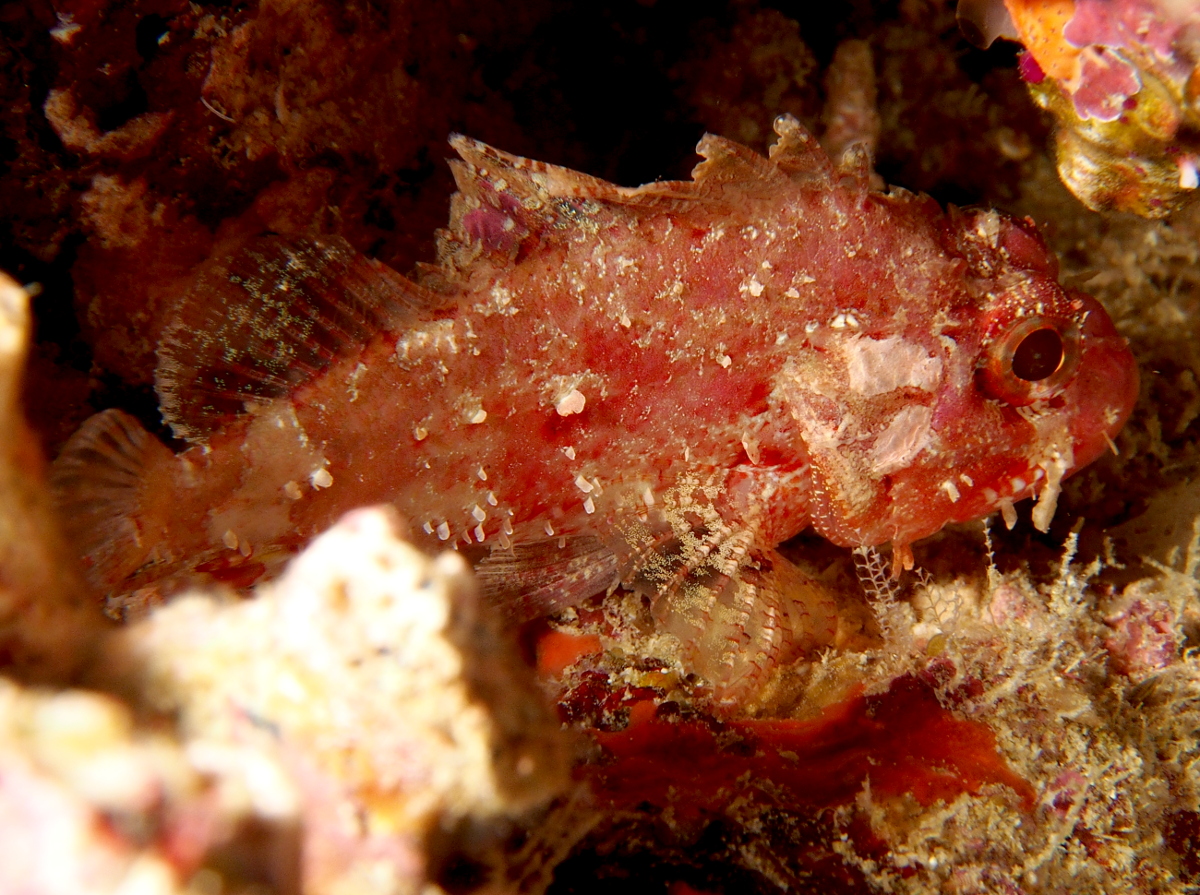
(356, 728)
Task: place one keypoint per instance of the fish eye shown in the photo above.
(1039, 355)
(1035, 360)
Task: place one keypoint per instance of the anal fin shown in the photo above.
(546, 576)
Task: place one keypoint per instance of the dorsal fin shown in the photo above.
(486, 170)
(536, 185)
(505, 202)
(855, 167)
(268, 317)
(798, 153)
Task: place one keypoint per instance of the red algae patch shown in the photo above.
(557, 651)
(899, 742)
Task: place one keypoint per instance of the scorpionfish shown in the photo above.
(599, 386)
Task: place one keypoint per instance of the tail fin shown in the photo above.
(97, 482)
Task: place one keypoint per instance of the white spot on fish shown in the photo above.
(876, 366)
(477, 417)
(501, 302)
(320, 478)
(751, 446)
(905, 436)
(352, 385)
(420, 433)
(725, 360)
(572, 402)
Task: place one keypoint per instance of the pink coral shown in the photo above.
(1144, 638)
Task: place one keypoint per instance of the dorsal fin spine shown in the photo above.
(798, 153)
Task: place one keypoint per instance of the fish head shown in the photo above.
(1050, 384)
(1003, 385)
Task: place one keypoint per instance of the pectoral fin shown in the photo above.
(737, 631)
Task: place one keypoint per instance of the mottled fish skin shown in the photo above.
(651, 385)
